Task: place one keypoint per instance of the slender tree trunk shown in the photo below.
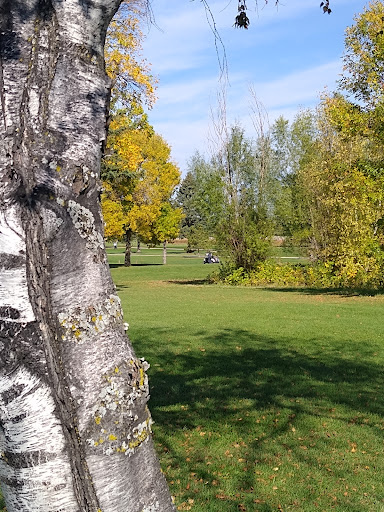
(128, 248)
(138, 244)
(164, 252)
(75, 429)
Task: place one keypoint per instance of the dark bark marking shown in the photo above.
(11, 394)
(27, 460)
(16, 340)
(43, 70)
(80, 182)
(8, 261)
(2, 97)
(9, 41)
(9, 312)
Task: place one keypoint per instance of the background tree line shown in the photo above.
(317, 181)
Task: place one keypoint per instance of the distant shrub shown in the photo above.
(368, 274)
(282, 275)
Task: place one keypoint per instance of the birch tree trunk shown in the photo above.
(74, 425)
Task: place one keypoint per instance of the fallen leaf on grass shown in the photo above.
(222, 497)
(184, 506)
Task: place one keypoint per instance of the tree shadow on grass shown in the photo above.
(238, 373)
(146, 265)
(343, 292)
(266, 374)
(121, 287)
(195, 282)
(119, 265)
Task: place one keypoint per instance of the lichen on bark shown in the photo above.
(81, 323)
(121, 420)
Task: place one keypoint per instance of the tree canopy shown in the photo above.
(138, 175)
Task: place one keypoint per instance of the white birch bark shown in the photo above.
(74, 425)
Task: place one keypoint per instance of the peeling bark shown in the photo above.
(75, 428)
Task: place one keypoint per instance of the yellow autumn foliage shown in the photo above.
(129, 71)
(114, 218)
(125, 146)
(159, 177)
(142, 179)
(364, 55)
(345, 199)
(138, 176)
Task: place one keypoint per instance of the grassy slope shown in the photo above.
(263, 400)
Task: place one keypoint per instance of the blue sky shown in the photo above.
(288, 56)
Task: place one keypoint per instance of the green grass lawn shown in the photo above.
(263, 399)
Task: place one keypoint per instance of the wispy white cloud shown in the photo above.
(184, 110)
(297, 88)
(186, 95)
(289, 56)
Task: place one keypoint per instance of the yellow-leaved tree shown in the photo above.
(344, 190)
(138, 175)
(139, 180)
(346, 179)
(166, 227)
(132, 86)
(152, 216)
